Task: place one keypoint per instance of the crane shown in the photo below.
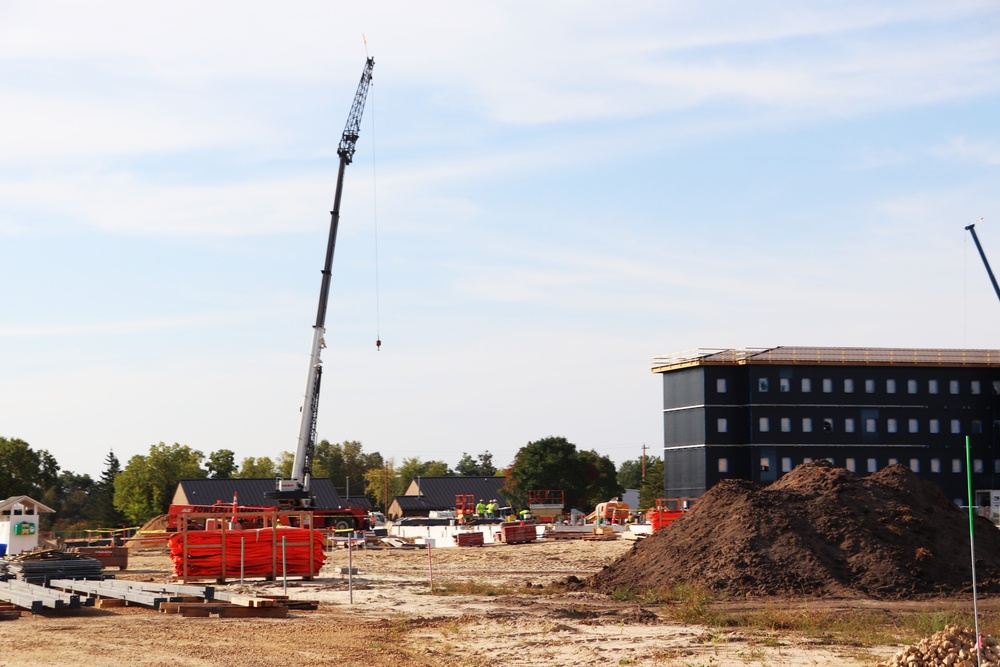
(986, 263)
(295, 492)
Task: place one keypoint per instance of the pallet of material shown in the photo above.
(471, 539)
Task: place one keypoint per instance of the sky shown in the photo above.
(544, 197)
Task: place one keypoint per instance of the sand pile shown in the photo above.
(819, 530)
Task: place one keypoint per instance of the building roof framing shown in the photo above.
(827, 356)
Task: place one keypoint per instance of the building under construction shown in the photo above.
(756, 413)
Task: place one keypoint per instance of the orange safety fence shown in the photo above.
(262, 552)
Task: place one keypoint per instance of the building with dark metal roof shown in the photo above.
(249, 492)
(426, 494)
(755, 413)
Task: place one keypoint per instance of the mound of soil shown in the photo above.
(819, 530)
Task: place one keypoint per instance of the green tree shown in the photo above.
(600, 479)
(285, 464)
(146, 486)
(414, 467)
(71, 498)
(382, 484)
(630, 472)
(258, 468)
(221, 464)
(652, 486)
(25, 472)
(481, 466)
(345, 464)
(104, 511)
(554, 463)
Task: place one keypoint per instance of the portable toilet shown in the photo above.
(19, 524)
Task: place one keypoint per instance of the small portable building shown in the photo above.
(19, 524)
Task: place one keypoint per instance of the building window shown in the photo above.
(977, 465)
(956, 426)
(977, 387)
(893, 462)
(762, 384)
(953, 386)
(932, 386)
(786, 464)
(869, 425)
(956, 465)
(720, 385)
(807, 459)
(848, 386)
(765, 424)
(891, 426)
(872, 465)
(784, 385)
(849, 425)
(722, 425)
(996, 386)
(827, 385)
(935, 465)
(807, 425)
(723, 465)
(911, 386)
(786, 425)
(915, 465)
(996, 466)
(827, 426)
(977, 426)
(765, 464)
(913, 425)
(807, 385)
(869, 386)
(850, 465)
(934, 426)
(890, 386)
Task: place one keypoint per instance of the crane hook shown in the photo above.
(378, 345)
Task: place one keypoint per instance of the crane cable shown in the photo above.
(378, 326)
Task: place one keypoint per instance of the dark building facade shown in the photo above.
(756, 413)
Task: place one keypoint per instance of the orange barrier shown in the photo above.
(208, 555)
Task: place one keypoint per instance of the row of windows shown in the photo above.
(850, 425)
(870, 386)
(871, 464)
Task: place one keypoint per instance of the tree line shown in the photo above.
(144, 487)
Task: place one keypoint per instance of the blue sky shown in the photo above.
(544, 197)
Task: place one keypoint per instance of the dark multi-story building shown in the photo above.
(757, 413)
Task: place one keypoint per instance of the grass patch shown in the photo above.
(483, 589)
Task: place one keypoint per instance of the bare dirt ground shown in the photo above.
(394, 622)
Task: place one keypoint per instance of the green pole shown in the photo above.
(972, 548)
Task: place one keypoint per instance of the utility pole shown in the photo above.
(644, 462)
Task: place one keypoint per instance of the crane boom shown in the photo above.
(295, 492)
(986, 263)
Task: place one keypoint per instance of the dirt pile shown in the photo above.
(952, 647)
(819, 530)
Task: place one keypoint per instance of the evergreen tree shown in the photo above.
(103, 495)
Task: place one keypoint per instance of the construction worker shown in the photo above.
(481, 508)
(491, 509)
